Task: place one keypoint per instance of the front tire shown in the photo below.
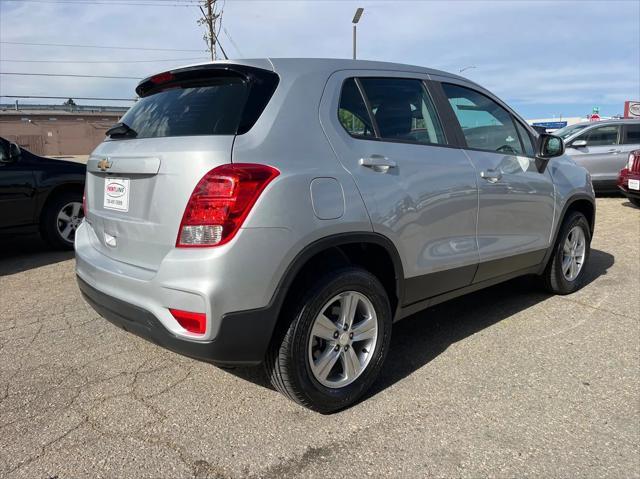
(336, 342)
(565, 272)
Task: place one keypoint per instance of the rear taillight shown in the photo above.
(192, 322)
(634, 161)
(220, 203)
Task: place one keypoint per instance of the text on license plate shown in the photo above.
(116, 194)
(634, 184)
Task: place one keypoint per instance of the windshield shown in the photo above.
(567, 131)
(214, 109)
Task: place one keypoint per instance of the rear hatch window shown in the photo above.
(204, 100)
(207, 110)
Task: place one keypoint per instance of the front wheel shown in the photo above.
(335, 345)
(565, 272)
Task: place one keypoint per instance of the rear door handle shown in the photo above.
(492, 176)
(378, 163)
(613, 150)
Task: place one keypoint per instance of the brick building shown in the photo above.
(57, 130)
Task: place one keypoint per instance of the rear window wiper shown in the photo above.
(121, 129)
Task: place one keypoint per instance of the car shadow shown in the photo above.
(25, 252)
(422, 337)
(419, 339)
(628, 204)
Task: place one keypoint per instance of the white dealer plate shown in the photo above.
(116, 194)
(634, 184)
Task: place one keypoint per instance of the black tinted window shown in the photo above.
(633, 135)
(602, 136)
(352, 111)
(403, 110)
(214, 109)
(485, 124)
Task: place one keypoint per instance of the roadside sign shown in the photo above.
(632, 109)
(594, 117)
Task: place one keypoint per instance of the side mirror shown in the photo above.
(578, 144)
(14, 151)
(550, 146)
(5, 151)
(9, 152)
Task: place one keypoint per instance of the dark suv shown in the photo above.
(40, 195)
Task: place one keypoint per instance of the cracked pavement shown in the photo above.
(505, 382)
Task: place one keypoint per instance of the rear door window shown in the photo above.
(352, 111)
(403, 110)
(602, 135)
(632, 135)
(485, 124)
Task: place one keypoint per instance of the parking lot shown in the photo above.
(507, 382)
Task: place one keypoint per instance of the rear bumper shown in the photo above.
(227, 284)
(629, 193)
(242, 340)
(623, 183)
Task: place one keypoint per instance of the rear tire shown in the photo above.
(635, 202)
(565, 272)
(324, 360)
(61, 217)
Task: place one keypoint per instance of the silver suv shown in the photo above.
(288, 211)
(603, 148)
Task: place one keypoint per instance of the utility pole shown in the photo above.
(212, 20)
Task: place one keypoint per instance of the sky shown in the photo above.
(544, 58)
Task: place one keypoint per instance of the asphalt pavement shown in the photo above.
(506, 382)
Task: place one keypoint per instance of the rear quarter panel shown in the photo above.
(289, 137)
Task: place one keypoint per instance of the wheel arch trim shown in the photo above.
(333, 241)
(264, 321)
(567, 206)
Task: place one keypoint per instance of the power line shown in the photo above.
(228, 35)
(110, 3)
(67, 97)
(104, 61)
(98, 46)
(69, 75)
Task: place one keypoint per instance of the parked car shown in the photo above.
(288, 211)
(629, 178)
(602, 147)
(40, 195)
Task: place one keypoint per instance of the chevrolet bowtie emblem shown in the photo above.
(104, 164)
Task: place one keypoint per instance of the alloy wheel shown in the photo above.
(69, 218)
(573, 253)
(343, 339)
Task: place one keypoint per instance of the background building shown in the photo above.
(58, 130)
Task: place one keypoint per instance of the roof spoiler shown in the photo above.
(201, 74)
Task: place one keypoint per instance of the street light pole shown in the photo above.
(356, 19)
(354, 41)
